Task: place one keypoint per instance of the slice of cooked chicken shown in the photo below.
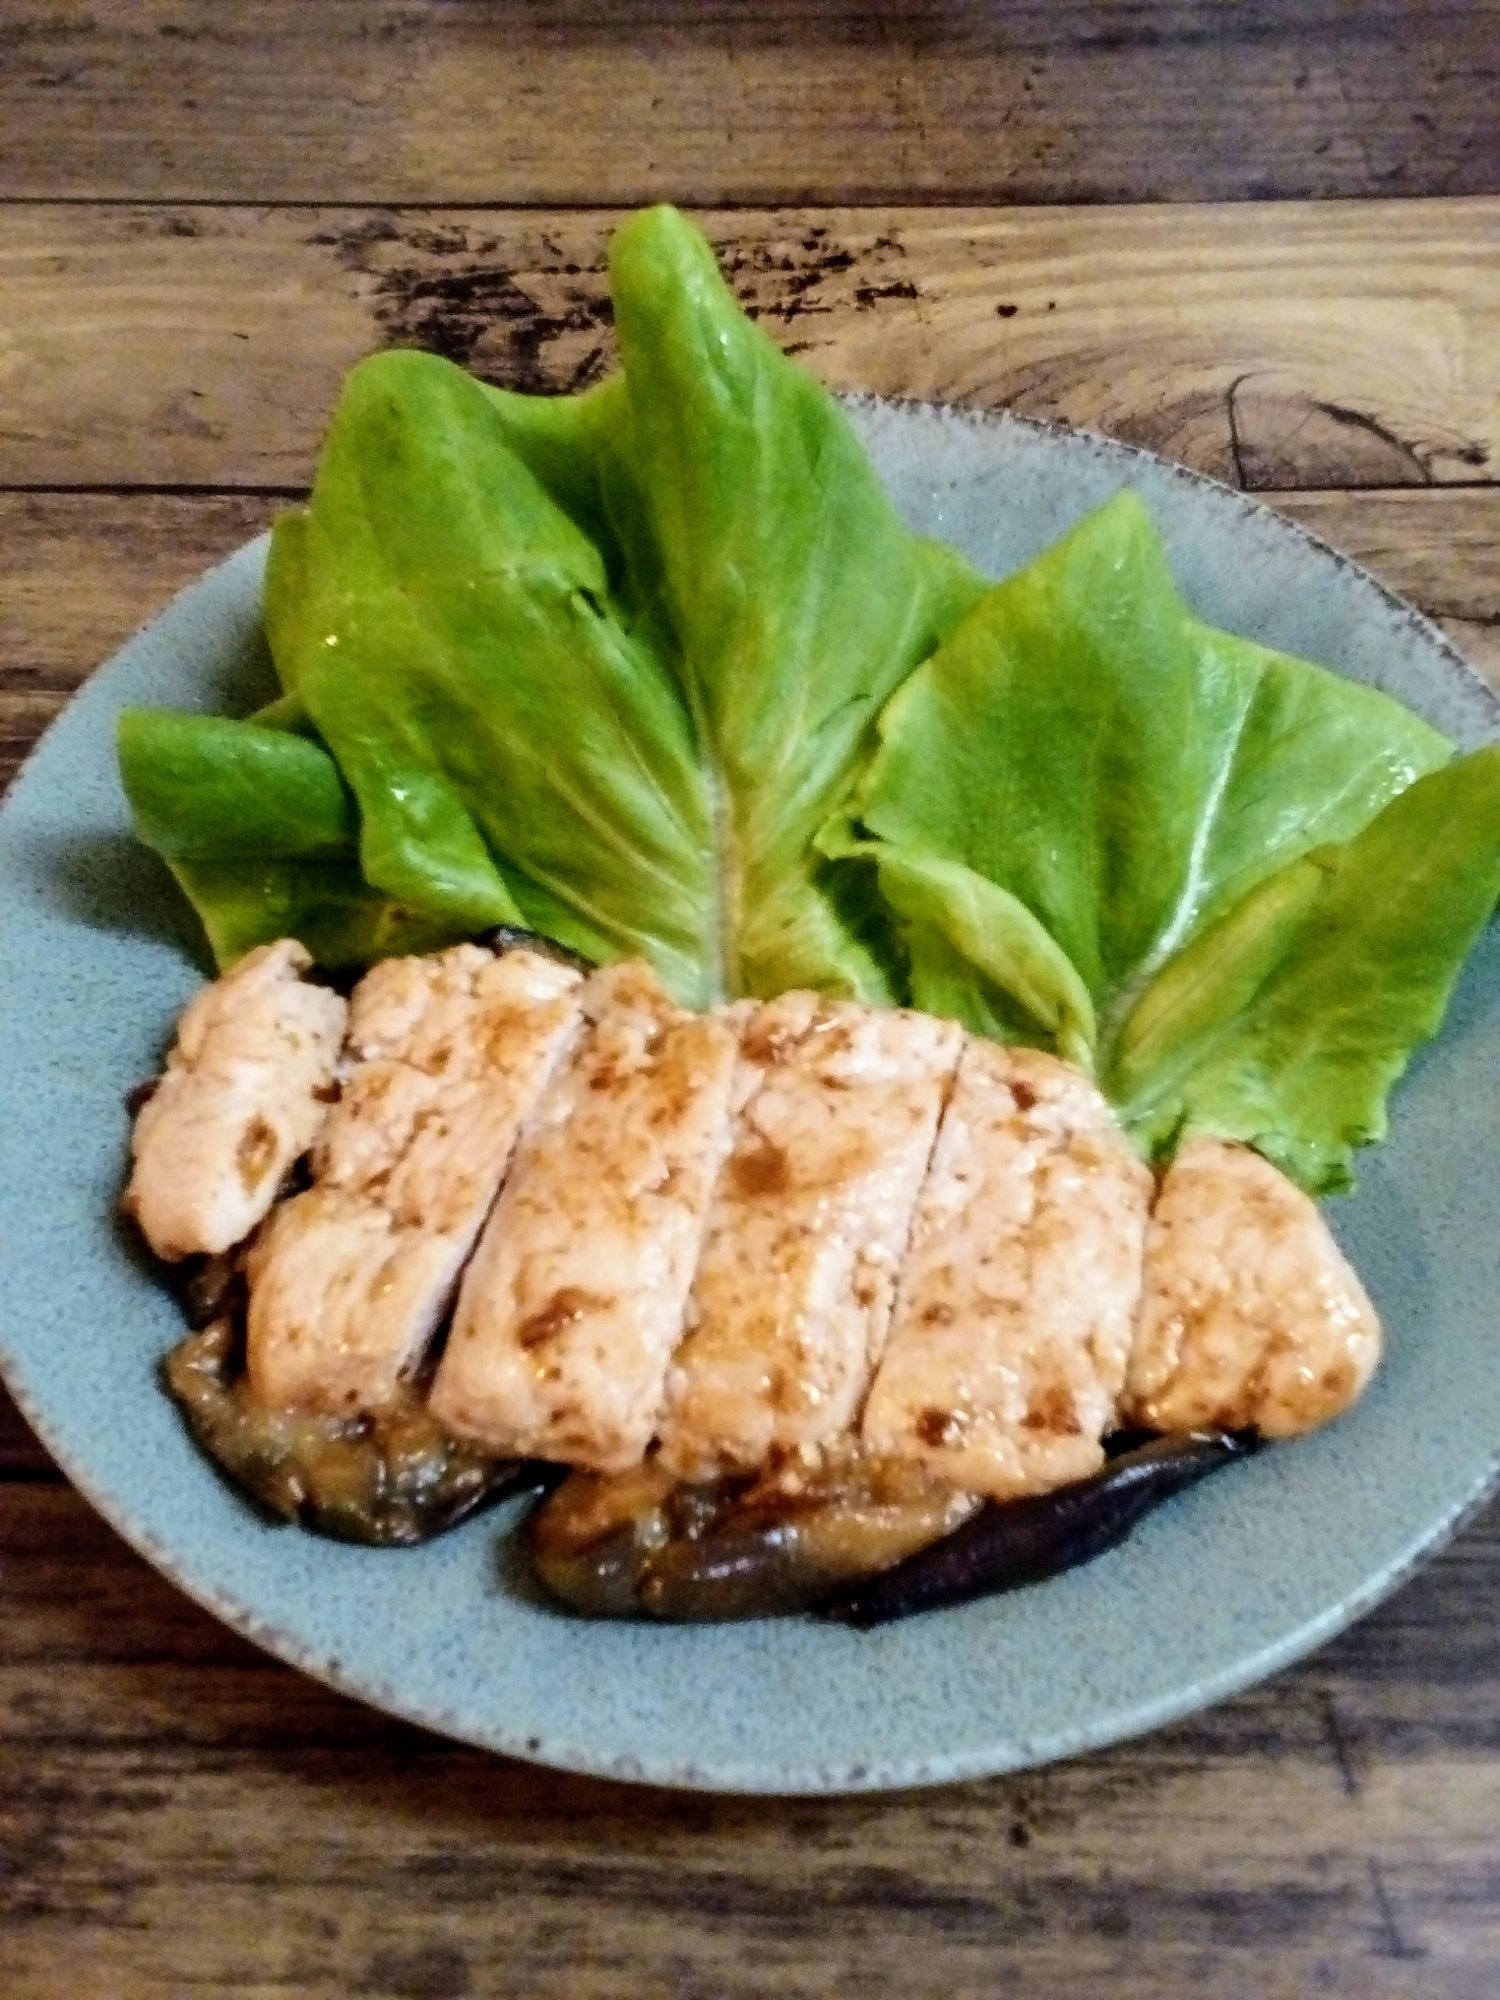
(807, 1230)
(1013, 1321)
(573, 1304)
(241, 1100)
(1251, 1318)
(349, 1282)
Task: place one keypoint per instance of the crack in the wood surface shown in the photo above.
(1393, 1944)
(1265, 463)
(1333, 1733)
(1236, 456)
(1359, 420)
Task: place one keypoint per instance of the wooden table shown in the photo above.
(1260, 238)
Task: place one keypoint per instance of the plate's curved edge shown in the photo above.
(789, 1781)
(180, 605)
(1478, 686)
(801, 1780)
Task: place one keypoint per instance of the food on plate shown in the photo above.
(1032, 1221)
(1007, 1544)
(1234, 887)
(793, 1288)
(388, 1480)
(838, 1106)
(573, 1305)
(963, 987)
(1251, 1319)
(445, 1059)
(784, 1538)
(242, 1095)
(657, 671)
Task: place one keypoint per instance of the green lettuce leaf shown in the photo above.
(261, 833)
(1083, 743)
(1286, 1021)
(1108, 828)
(798, 599)
(509, 742)
(608, 662)
(658, 669)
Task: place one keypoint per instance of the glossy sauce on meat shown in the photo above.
(447, 1057)
(839, 1107)
(1251, 1318)
(243, 1095)
(797, 1285)
(573, 1304)
(1013, 1323)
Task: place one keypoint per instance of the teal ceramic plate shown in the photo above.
(1225, 1584)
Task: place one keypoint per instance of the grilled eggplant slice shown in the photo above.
(641, 1545)
(389, 1480)
(1013, 1542)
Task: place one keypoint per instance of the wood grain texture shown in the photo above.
(181, 1815)
(708, 100)
(1311, 345)
(82, 572)
(1440, 550)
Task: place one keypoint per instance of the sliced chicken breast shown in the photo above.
(573, 1304)
(447, 1057)
(1251, 1319)
(839, 1107)
(242, 1097)
(1013, 1321)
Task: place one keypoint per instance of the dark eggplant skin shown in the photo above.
(388, 1481)
(501, 938)
(211, 1288)
(1014, 1542)
(639, 1545)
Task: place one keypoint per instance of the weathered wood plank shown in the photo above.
(183, 1815)
(1315, 345)
(83, 571)
(1441, 550)
(706, 100)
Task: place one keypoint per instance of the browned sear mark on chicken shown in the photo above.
(768, 1041)
(256, 1152)
(1054, 1410)
(765, 1170)
(564, 1308)
(940, 1428)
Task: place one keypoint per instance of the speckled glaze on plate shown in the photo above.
(1227, 1583)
